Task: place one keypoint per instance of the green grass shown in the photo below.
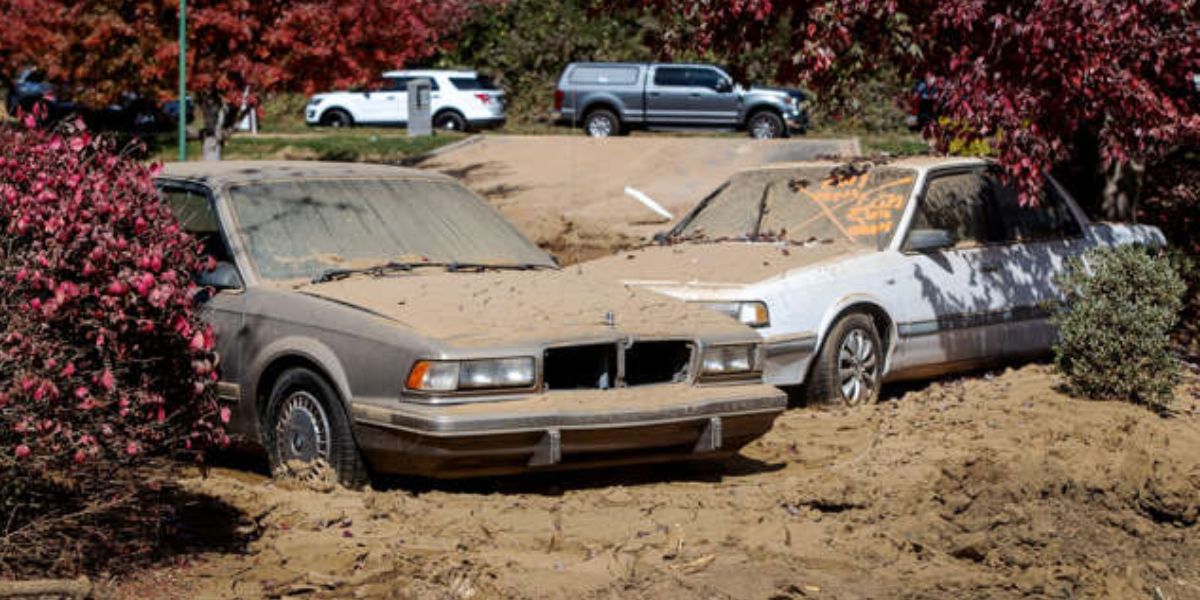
(334, 145)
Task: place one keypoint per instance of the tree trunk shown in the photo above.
(217, 127)
(1122, 190)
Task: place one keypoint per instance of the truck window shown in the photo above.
(671, 76)
(706, 78)
(613, 75)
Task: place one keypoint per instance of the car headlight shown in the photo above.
(484, 374)
(752, 313)
(735, 359)
(315, 101)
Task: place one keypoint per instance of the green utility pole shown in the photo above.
(182, 80)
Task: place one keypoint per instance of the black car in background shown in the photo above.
(32, 93)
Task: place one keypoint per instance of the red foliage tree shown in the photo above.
(103, 359)
(1027, 76)
(237, 49)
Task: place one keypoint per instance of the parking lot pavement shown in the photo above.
(568, 192)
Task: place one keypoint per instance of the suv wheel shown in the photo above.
(602, 123)
(450, 121)
(308, 428)
(849, 369)
(765, 125)
(337, 117)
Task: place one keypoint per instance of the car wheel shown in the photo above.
(307, 426)
(602, 123)
(450, 121)
(337, 118)
(765, 125)
(849, 368)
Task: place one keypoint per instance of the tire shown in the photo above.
(450, 121)
(845, 371)
(765, 125)
(602, 123)
(336, 117)
(302, 403)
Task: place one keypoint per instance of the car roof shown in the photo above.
(917, 163)
(231, 172)
(431, 72)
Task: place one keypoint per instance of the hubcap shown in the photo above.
(450, 124)
(764, 128)
(600, 127)
(302, 429)
(858, 367)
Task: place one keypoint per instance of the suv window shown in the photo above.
(395, 84)
(614, 75)
(955, 203)
(671, 76)
(470, 84)
(1050, 219)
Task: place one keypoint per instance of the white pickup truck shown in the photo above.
(462, 101)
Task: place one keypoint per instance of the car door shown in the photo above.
(195, 209)
(711, 98)
(690, 95)
(945, 305)
(389, 104)
(666, 95)
(1032, 246)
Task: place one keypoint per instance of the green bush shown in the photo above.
(1120, 307)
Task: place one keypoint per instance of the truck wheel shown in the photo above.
(765, 125)
(336, 117)
(849, 368)
(602, 123)
(450, 121)
(307, 426)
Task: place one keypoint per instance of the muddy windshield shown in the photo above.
(803, 204)
(302, 228)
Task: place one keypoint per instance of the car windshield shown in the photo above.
(304, 228)
(803, 204)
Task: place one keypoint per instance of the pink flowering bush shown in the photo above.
(103, 358)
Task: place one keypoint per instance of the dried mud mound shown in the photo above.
(982, 488)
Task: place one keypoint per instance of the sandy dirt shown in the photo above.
(567, 192)
(988, 487)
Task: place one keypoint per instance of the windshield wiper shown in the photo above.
(453, 267)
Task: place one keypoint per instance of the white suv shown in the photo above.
(462, 100)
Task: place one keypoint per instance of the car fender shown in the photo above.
(597, 99)
(835, 310)
(305, 348)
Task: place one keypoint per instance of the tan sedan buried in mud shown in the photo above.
(385, 317)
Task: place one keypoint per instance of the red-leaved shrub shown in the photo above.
(103, 358)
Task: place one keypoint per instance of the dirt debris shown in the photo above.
(995, 487)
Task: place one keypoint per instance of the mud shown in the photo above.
(990, 487)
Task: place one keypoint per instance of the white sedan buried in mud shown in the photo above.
(859, 274)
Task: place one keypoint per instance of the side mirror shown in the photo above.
(224, 277)
(724, 86)
(928, 240)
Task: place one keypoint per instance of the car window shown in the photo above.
(614, 75)
(194, 211)
(1050, 219)
(956, 204)
(671, 76)
(470, 84)
(703, 78)
(299, 228)
(802, 204)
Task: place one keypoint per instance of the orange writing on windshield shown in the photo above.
(856, 207)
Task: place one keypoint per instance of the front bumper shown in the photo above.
(797, 120)
(786, 359)
(566, 429)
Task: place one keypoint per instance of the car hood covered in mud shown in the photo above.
(717, 264)
(514, 307)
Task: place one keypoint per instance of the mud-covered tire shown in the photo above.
(602, 122)
(336, 117)
(852, 355)
(306, 422)
(766, 125)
